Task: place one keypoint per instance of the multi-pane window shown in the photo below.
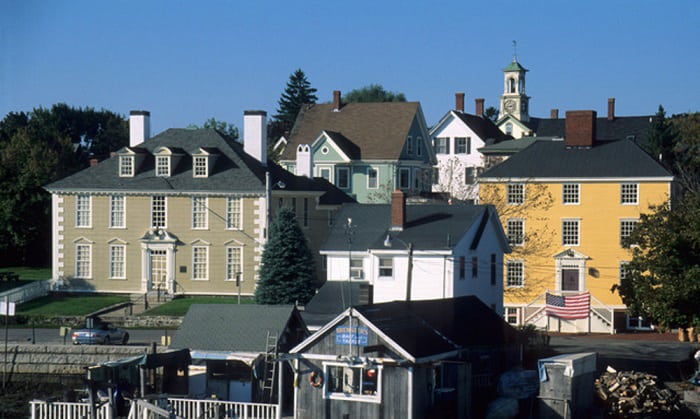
(629, 193)
(372, 178)
(511, 315)
(463, 145)
(442, 145)
(516, 231)
(515, 193)
(158, 211)
(200, 262)
(83, 261)
(343, 180)
(386, 267)
(404, 178)
(624, 270)
(234, 262)
(515, 274)
(626, 228)
(570, 193)
(570, 232)
(83, 211)
(117, 211)
(234, 213)
(350, 381)
(200, 219)
(200, 166)
(117, 261)
(162, 165)
(356, 268)
(126, 166)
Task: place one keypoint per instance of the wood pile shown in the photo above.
(631, 393)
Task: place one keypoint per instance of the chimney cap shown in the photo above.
(260, 113)
(136, 113)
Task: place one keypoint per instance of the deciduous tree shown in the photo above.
(373, 93)
(287, 272)
(224, 127)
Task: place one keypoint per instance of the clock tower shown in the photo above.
(514, 101)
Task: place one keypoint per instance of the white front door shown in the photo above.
(159, 269)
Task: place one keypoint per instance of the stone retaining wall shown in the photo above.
(62, 359)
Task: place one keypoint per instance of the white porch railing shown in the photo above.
(27, 292)
(176, 408)
(534, 311)
(40, 409)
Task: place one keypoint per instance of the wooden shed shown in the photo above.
(401, 360)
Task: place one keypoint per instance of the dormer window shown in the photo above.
(201, 166)
(163, 166)
(126, 166)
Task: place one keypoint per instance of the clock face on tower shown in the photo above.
(510, 105)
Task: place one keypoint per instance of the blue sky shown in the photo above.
(186, 61)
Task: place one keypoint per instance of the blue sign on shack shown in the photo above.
(357, 336)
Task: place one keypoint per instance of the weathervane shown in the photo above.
(515, 50)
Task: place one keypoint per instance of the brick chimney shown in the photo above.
(479, 106)
(580, 129)
(255, 135)
(305, 162)
(398, 210)
(336, 100)
(459, 102)
(139, 127)
(611, 108)
(554, 114)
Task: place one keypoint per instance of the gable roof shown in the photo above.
(429, 328)
(331, 299)
(607, 159)
(232, 327)
(508, 147)
(378, 130)
(483, 127)
(428, 227)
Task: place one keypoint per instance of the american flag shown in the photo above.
(569, 306)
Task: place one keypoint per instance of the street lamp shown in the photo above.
(409, 275)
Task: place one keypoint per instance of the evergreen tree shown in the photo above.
(661, 138)
(297, 93)
(287, 272)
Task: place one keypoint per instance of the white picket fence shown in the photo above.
(166, 408)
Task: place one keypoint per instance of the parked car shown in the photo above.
(102, 334)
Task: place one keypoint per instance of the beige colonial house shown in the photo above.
(184, 212)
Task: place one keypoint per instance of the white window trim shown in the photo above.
(521, 242)
(578, 231)
(160, 167)
(89, 260)
(522, 271)
(406, 170)
(322, 168)
(228, 264)
(636, 200)
(627, 220)
(376, 398)
(466, 145)
(196, 159)
(508, 194)
(578, 194)
(354, 270)
(206, 263)
(376, 170)
(346, 170)
(165, 211)
(88, 211)
(379, 268)
(238, 225)
(122, 160)
(111, 211)
(111, 261)
(204, 213)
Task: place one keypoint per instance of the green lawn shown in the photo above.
(25, 275)
(179, 306)
(68, 305)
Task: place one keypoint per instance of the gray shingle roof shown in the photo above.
(428, 227)
(606, 130)
(379, 130)
(552, 159)
(484, 128)
(231, 327)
